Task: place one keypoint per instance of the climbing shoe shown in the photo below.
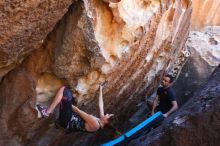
(43, 111)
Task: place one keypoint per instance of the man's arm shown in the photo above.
(154, 105)
(101, 104)
(174, 107)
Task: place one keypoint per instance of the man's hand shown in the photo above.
(165, 115)
(152, 112)
(101, 86)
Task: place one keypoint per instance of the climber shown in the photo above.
(166, 97)
(71, 117)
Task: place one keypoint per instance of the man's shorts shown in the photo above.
(68, 119)
(76, 123)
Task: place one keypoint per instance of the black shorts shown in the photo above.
(76, 123)
(68, 119)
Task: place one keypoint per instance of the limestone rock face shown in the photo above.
(128, 43)
(132, 61)
(205, 13)
(197, 123)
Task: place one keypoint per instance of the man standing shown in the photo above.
(166, 97)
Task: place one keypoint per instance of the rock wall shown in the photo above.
(205, 13)
(129, 43)
(24, 26)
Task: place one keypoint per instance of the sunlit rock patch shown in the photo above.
(47, 86)
(207, 44)
(209, 16)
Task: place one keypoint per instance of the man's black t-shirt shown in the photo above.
(165, 96)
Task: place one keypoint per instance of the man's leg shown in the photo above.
(56, 100)
(46, 111)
